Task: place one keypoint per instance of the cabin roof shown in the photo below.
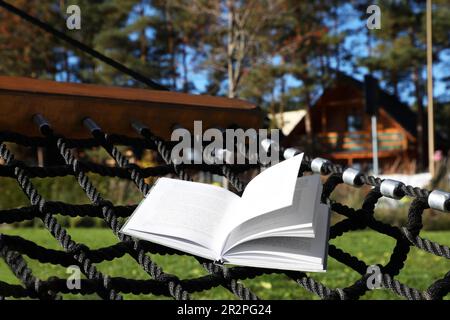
(290, 119)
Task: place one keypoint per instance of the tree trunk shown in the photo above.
(308, 125)
(282, 101)
(171, 46)
(394, 80)
(185, 69)
(308, 101)
(67, 66)
(230, 50)
(143, 42)
(421, 145)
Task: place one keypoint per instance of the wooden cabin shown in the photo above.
(340, 128)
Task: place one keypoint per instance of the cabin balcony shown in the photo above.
(358, 144)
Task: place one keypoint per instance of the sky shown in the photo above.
(349, 19)
(356, 43)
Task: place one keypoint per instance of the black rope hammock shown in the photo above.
(14, 248)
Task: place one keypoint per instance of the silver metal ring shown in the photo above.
(437, 200)
(317, 164)
(291, 152)
(389, 187)
(350, 176)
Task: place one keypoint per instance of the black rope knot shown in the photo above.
(43, 206)
(104, 203)
(166, 278)
(332, 295)
(78, 248)
(360, 218)
(132, 166)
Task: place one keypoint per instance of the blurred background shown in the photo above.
(304, 63)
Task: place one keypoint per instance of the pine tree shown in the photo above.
(24, 49)
(399, 52)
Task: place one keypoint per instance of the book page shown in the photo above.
(295, 220)
(175, 243)
(272, 189)
(291, 253)
(184, 210)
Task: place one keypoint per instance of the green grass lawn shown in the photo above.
(420, 270)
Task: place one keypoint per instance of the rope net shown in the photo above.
(14, 248)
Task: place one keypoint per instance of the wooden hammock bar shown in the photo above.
(65, 105)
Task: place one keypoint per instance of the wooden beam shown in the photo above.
(431, 164)
(65, 105)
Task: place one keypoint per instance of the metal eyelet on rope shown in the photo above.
(317, 165)
(351, 177)
(138, 126)
(291, 152)
(439, 200)
(391, 189)
(91, 125)
(41, 121)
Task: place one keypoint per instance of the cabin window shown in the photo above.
(354, 123)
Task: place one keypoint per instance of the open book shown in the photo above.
(278, 222)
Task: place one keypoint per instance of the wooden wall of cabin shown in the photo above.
(330, 115)
(331, 112)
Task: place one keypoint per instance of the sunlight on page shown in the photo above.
(273, 188)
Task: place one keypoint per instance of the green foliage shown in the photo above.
(66, 189)
(250, 49)
(397, 52)
(24, 50)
